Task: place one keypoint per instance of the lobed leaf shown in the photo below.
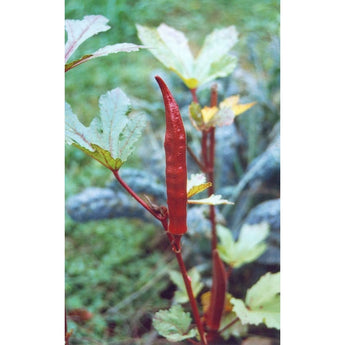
(262, 303)
(79, 31)
(174, 324)
(171, 48)
(110, 138)
(249, 247)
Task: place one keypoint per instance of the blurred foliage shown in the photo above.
(133, 71)
(107, 261)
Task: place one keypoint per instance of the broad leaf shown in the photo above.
(79, 31)
(211, 200)
(171, 48)
(197, 184)
(110, 138)
(262, 303)
(181, 295)
(249, 247)
(174, 324)
(213, 60)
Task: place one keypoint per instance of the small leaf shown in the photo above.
(173, 324)
(249, 246)
(110, 138)
(211, 200)
(262, 303)
(181, 295)
(197, 184)
(79, 31)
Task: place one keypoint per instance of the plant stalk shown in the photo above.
(137, 197)
(175, 242)
(210, 154)
(192, 300)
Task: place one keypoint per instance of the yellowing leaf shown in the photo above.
(191, 83)
(208, 113)
(211, 200)
(197, 184)
(241, 108)
(232, 102)
(206, 300)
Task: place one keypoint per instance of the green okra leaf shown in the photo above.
(79, 31)
(249, 247)
(174, 324)
(110, 138)
(262, 303)
(171, 48)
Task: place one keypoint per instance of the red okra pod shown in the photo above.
(175, 145)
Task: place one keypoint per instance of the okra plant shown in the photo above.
(111, 138)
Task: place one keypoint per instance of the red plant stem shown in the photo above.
(210, 167)
(229, 271)
(195, 98)
(176, 246)
(192, 300)
(136, 197)
(66, 330)
(204, 150)
(175, 242)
